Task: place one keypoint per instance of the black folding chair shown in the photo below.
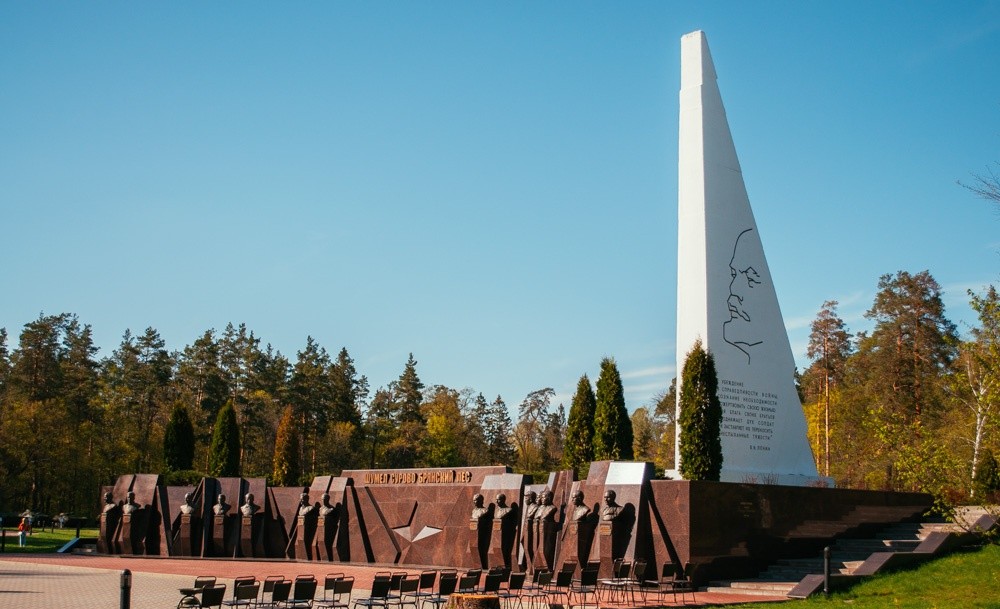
(492, 583)
(685, 583)
(537, 593)
(468, 583)
(447, 584)
(616, 585)
(560, 588)
(581, 588)
(339, 595)
(379, 596)
(190, 596)
(329, 582)
(212, 596)
(244, 593)
(512, 591)
(303, 593)
(425, 587)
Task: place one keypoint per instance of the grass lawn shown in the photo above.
(44, 541)
(964, 579)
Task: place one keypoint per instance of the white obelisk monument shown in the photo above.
(725, 295)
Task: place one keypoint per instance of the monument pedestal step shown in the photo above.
(753, 587)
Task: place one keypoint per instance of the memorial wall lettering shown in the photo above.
(747, 414)
(418, 477)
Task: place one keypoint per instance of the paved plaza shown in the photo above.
(93, 582)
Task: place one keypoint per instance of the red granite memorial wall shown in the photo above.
(735, 530)
(429, 517)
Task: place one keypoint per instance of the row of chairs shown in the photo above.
(401, 590)
(274, 592)
(631, 579)
(629, 585)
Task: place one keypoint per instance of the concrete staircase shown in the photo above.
(847, 557)
(79, 545)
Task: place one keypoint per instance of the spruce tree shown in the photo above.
(224, 453)
(178, 441)
(612, 425)
(700, 418)
(578, 450)
(499, 430)
(409, 393)
(286, 451)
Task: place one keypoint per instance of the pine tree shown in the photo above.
(201, 382)
(224, 454)
(286, 451)
(380, 426)
(310, 391)
(499, 430)
(829, 348)
(612, 425)
(349, 390)
(910, 346)
(259, 416)
(578, 450)
(408, 392)
(899, 397)
(532, 434)
(474, 448)
(700, 418)
(178, 441)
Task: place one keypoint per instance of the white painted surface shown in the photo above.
(725, 295)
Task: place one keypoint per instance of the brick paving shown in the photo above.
(93, 582)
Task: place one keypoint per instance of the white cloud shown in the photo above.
(651, 371)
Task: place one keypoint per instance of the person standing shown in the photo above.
(22, 532)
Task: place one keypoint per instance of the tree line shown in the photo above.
(228, 405)
(907, 405)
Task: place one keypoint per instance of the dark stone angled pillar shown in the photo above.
(581, 537)
(503, 534)
(250, 526)
(548, 535)
(326, 532)
(133, 530)
(109, 521)
(188, 531)
(305, 531)
(480, 530)
(529, 528)
(223, 535)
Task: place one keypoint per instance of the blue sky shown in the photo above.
(490, 186)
